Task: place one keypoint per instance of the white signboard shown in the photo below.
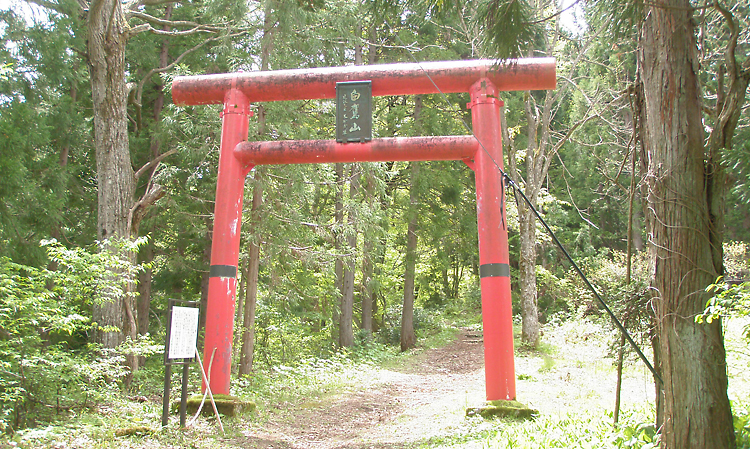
(183, 332)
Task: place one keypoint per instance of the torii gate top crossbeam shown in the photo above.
(387, 79)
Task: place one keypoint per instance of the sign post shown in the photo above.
(179, 349)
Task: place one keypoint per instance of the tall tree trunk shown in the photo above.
(207, 241)
(346, 326)
(56, 231)
(115, 176)
(346, 319)
(338, 217)
(144, 290)
(538, 154)
(628, 272)
(144, 283)
(253, 253)
(251, 289)
(530, 327)
(540, 151)
(368, 255)
(683, 236)
(408, 336)
(369, 239)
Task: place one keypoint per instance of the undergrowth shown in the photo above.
(584, 429)
(316, 378)
(587, 429)
(742, 425)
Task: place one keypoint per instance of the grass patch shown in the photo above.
(442, 337)
(310, 378)
(587, 429)
(548, 364)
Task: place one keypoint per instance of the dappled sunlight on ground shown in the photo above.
(574, 369)
(425, 401)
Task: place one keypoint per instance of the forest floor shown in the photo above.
(416, 399)
(399, 406)
(422, 402)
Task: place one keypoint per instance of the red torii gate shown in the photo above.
(483, 79)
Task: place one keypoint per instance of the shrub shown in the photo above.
(742, 427)
(47, 366)
(731, 296)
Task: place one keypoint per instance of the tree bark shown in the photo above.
(253, 253)
(368, 255)
(408, 336)
(530, 327)
(144, 283)
(369, 240)
(144, 290)
(251, 289)
(682, 234)
(346, 326)
(207, 241)
(338, 217)
(57, 227)
(115, 176)
(538, 154)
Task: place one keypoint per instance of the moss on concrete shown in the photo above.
(134, 430)
(504, 409)
(226, 405)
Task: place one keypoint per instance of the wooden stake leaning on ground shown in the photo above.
(207, 392)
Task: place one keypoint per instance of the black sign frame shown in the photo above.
(353, 111)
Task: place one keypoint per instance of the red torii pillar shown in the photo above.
(482, 152)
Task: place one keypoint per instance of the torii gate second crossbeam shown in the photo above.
(482, 152)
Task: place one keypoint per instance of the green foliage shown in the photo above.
(281, 337)
(555, 294)
(639, 435)
(510, 27)
(741, 426)
(305, 378)
(582, 430)
(84, 276)
(566, 295)
(727, 300)
(48, 368)
(427, 323)
(367, 349)
(46, 187)
(5, 71)
(36, 326)
(729, 295)
(45, 116)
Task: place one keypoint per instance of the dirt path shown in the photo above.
(396, 410)
(427, 399)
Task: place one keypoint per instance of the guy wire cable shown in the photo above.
(620, 326)
(515, 188)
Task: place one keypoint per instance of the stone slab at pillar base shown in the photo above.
(503, 409)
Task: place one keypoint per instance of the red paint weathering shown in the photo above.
(225, 244)
(497, 319)
(378, 150)
(387, 79)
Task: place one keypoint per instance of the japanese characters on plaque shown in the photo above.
(354, 111)
(183, 334)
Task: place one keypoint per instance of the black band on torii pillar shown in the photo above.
(222, 271)
(494, 270)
